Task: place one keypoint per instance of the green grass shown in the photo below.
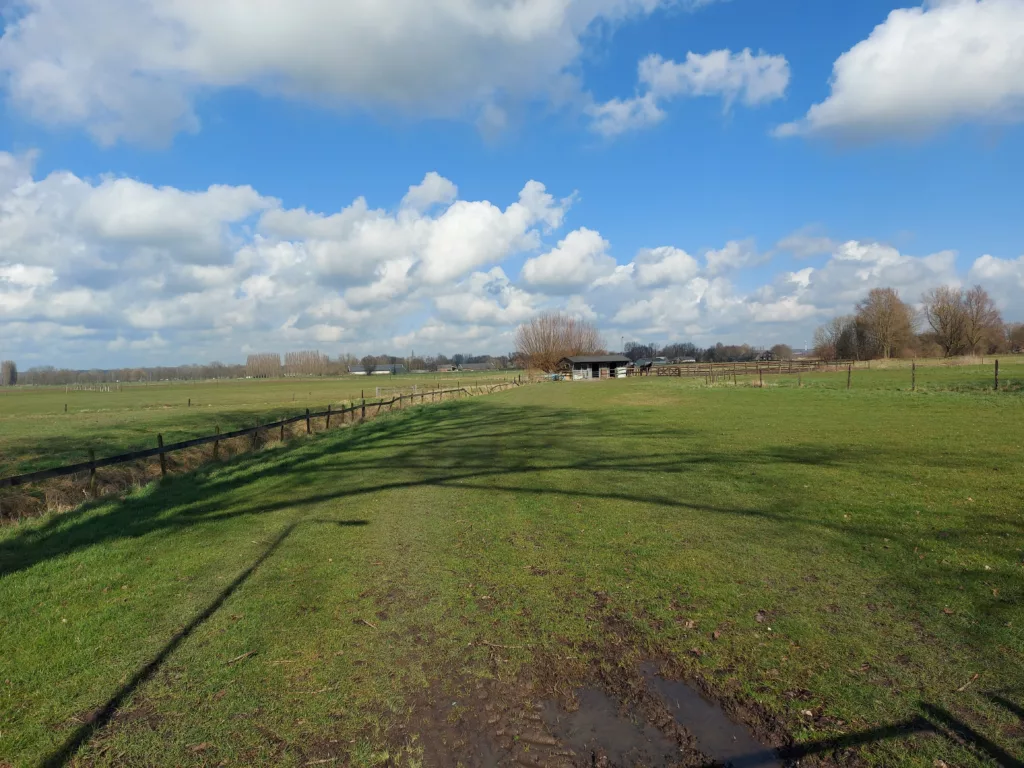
(36, 433)
(879, 532)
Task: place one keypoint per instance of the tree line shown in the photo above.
(718, 353)
(257, 365)
(950, 322)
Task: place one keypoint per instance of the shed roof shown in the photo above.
(584, 359)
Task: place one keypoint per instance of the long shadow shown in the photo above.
(1005, 703)
(105, 713)
(795, 752)
(420, 444)
(963, 732)
(939, 721)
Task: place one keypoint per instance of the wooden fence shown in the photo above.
(776, 367)
(354, 412)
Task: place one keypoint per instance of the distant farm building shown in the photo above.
(477, 367)
(585, 367)
(380, 370)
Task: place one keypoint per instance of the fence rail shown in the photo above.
(92, 465)
(701, 370)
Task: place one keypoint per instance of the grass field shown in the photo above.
(36, 433)
(844, 568)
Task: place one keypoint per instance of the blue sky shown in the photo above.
(708, 199)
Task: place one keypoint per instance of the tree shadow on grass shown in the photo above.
(103, 715)
(466, 444)
(491, 447)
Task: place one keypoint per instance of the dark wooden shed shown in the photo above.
(586, 367)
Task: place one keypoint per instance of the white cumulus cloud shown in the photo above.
(923, 68)
(580, 259)
(749, 78)
(132, 69)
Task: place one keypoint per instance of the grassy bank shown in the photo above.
(848, 562)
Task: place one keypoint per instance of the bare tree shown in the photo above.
(263, 365)
(1015, 336)
(887, 322)
(305, 363)
(8, 373)
(835, 339)
(944, 311)
(545, 340)
(369, 364)
(782, 352)
(982, 321)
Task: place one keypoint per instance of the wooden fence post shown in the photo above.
(92, 473)
(760, 378)
(799, 380)
(849, 375)
(65, 407)
(997, 376)
(309, 425)
(163, 456)
(363, 415)
(255, 436)
(328, 416)
(216, 444)
(913, 376)
(282, 432)
(190, 402)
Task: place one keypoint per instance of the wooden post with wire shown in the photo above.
(163, 456)
(913, 376)
(216, 444)
(849, 375)
(997, 376)
(92, 473)
(309, 425)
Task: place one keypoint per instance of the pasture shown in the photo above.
(843, 569)
(36, 432)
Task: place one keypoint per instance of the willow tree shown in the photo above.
(545, 340)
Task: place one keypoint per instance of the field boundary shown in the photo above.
(162, 450)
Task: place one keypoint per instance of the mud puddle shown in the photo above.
(716, 735)
(604, 733)
(598, 727)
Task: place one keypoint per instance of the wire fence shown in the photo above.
(358, 412)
